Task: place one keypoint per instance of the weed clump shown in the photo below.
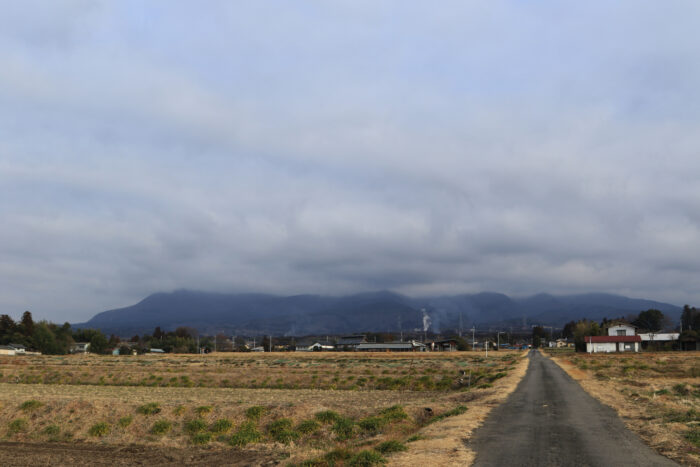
(344, 429)
(366, 458)
(195, 426)
(32, 404)
(125, 421)
(327, 416)
(246, 433)
(203, 410)
(201, 438)
(372, 425)
(390, 446)
(281, 430)
(151, 408)
(308, 426)
(223, 425)
(395, 412)
(450, 413)
(52, 430)
(255, 412)
(17, 425)
(161, 427)
(99, 429)
(179, 410)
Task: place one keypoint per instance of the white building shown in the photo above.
(596, 344)
(622, 329)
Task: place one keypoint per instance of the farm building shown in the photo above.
(19, 348)
(412, 346)
(313, 347)
(80, 347)
(622, 329)
(346, 343)
(622, 343)
(7, 350)
(448, 345)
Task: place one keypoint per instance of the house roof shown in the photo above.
(351, 340)
(17, 346)
(603, 339)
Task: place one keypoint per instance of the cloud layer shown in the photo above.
(332, 147)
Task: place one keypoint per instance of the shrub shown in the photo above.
(246, 433)
(179, 410)
(195, 426)
(32, 404)
(339, 454)
(681, 389)
(99, 429)
(366, 459)
(390, 446)
(203, 410)
(125, 421)
(255, 412)
(308, 426)
(52, 430)
(693, 436)
(344, 428)
(161, 427)
(395, 412)
(223, 425)
(151, 408)
(414, 438)
(281, 430)
(372, 424)
(201, 438)
(16, 426)
(327, 416)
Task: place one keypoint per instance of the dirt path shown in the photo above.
(551, 421)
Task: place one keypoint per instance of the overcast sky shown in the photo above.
(341, 146)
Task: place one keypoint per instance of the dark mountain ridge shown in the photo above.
(256, 314)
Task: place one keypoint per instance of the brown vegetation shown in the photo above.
(267, 404)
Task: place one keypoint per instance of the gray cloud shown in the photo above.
(346, 146)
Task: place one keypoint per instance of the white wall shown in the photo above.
(629, 330)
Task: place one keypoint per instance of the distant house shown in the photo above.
(350, 343)
(448, 345)
(7, 350)
(80, 347)
(19, 348)
(412, 346)
(606, 344)
(156, 351)
(313, 347)
(622, 329)
(259, 348)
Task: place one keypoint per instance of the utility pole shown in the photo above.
(473, 341)
(270, 342)
(499, 339)
(460, 324)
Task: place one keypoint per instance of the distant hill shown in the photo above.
(256, 314)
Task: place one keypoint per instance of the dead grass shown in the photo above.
(444, 443)
(76, 393)
(657, 395)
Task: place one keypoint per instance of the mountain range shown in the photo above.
(257, 314)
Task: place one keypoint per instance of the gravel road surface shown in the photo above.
(549, 420)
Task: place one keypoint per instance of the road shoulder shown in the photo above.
(634, 413)
(445, 442)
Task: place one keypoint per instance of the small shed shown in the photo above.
(19, 348)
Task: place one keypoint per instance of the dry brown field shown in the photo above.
(289, 408)
(657, 394)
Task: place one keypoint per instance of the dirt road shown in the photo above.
(551, 421)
